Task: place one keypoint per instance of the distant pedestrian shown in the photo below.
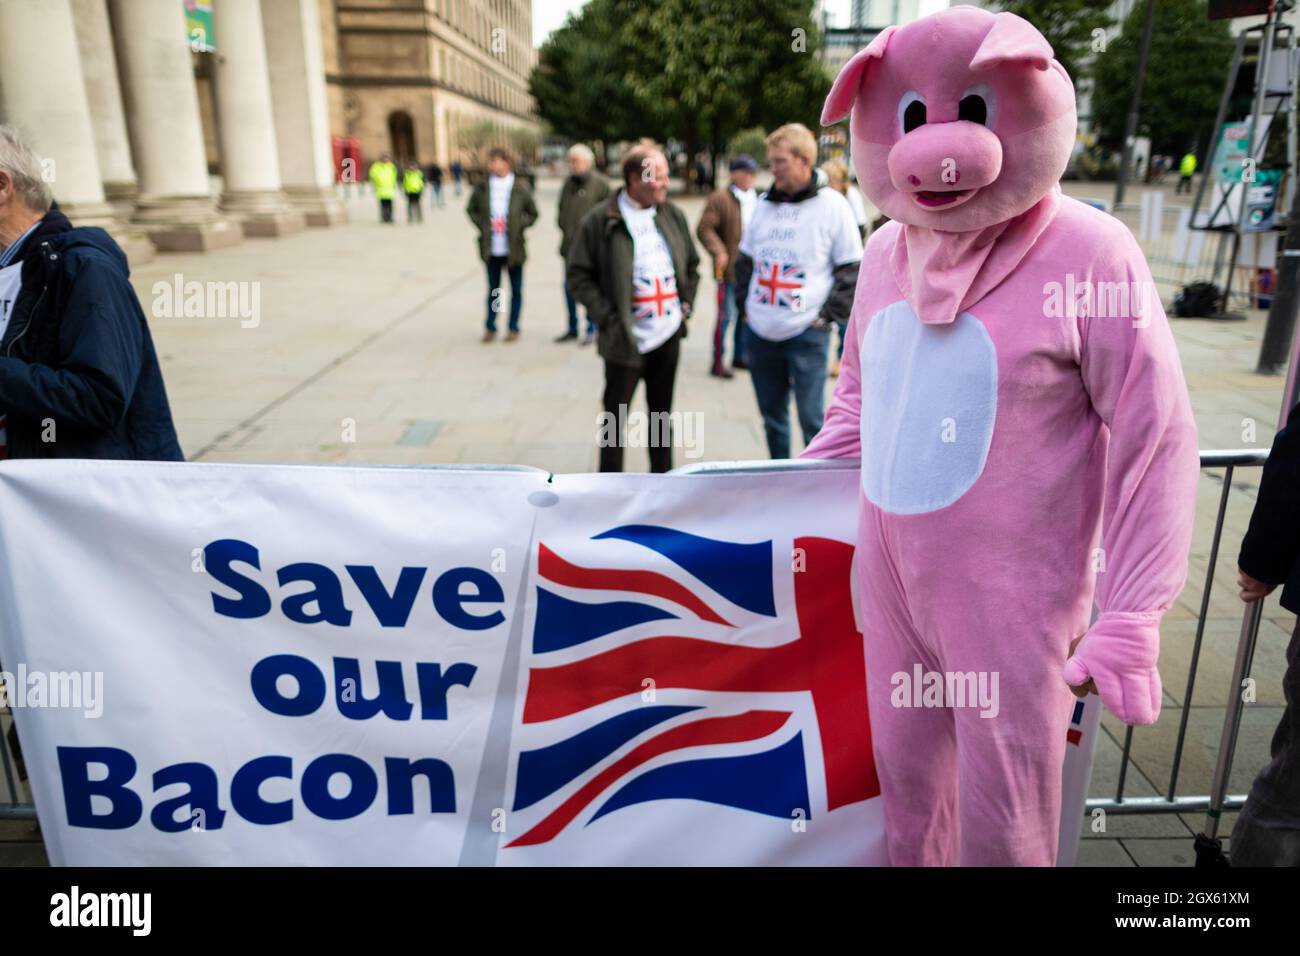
(457, 173)
(701, 176)
(435, 183)
(795, 277)
(1267, 831)
(837, 177)
(635, 268)
(383, 177)
(583, 189)
(502, 208)
(1186, 170)
(413, 186)
(726, 214)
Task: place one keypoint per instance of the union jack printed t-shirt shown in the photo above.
(796, 247)
(499, 188)
(656, 310)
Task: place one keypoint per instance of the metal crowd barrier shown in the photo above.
(1214, 803)
(15, 800)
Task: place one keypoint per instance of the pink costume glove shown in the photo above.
(1119, 654)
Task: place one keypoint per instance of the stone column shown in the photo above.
(104, 94)
(250, 161)
(175, 202)
(42, 92)
(297, 69)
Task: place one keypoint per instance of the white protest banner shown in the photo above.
(310, 665)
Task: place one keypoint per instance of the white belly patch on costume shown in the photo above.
(929, 400)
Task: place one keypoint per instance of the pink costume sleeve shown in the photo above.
(1135, 382)
(840, 435)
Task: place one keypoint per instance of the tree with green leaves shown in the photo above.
(699, 71)
(1074, 28)
(1186, 70)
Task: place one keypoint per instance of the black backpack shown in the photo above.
(1199, 300)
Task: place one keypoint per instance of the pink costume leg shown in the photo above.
(915, 747)
(1009, 765)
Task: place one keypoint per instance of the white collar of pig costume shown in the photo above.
(962, 126)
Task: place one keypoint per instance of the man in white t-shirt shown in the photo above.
(795, 276)
(635, 268)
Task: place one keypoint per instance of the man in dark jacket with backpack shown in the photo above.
(79, 377)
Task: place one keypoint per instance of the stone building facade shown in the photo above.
(411, 77)
(181, 149)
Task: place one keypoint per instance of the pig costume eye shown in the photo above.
(977, 105)
(911, 111)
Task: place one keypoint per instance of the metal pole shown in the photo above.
(1261, 87)
(1290, 115)
(1280, 328)
(1220, 120)
(1130, 127)
(1279, 331)
(1232, 718)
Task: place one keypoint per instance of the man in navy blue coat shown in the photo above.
(79, 377)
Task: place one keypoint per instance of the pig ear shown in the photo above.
(847, 84)
(1012, 39)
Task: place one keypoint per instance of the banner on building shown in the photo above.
(244, 664)
(198, 26)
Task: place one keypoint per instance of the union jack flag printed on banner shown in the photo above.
(654, 298)
(780, 285)
(676, 683)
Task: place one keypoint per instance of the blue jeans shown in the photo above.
(727, 315)
(494, 266)
(776, 368)
(572, 304)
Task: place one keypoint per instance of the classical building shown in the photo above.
(108, 93)
(422, 79)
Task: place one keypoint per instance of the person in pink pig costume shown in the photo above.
(1026, 436)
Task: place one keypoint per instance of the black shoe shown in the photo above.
(567, 337)
(721, 371)
(739, 363)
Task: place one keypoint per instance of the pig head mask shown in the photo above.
(966, 123)
(962, 125)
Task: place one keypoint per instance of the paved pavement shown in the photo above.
(364, 348)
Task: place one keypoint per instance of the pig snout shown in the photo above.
(945, 157)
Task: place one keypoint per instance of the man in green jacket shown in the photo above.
(583, 189)
(635, 268)
(502, 208)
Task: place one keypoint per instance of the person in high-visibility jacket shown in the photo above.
(383, 176)
(413, 186)
(1186, 169)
